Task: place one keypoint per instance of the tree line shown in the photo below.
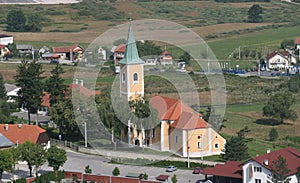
(34, 155)
(17, 21)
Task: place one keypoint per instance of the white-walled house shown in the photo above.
(6, 39)
(280, 60)
(297, 43)
(258, 169)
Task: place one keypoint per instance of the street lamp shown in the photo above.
(188, 156)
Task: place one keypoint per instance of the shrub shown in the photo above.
(273, 135)
(50, 176)
(22, 180)
(116, 171)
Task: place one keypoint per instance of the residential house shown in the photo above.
(297, 43)
(5, 142)
(71, 53)
(25, 48)
(20, 133)
(181, 130)
(77, 85)
(280, 60)
(165, 58)
(258, 169)
(11, 92)
(6, 39)
(102, 53)
(4, 51)
(118, 52)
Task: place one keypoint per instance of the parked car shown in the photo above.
(171, 168)
(54, 61)
(197, 170)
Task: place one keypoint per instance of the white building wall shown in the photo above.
(278, 62)
(264, 175)
(6, 40)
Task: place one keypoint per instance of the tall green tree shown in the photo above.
(148, 48)
(56, 158)
(29, 79)
(116, 171)
(55, 85)
(236, 148)
(15, 21)
(34, 23)
(273, 134)
(278, 107)
(2, 88)
(254, 14)
(6, 161)
(280, 170)
(186, 57)
(33, 154)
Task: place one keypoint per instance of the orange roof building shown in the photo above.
(20, 133)
(182, 130)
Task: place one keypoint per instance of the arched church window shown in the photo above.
(135, 78)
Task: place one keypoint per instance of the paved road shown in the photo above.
(99, 165)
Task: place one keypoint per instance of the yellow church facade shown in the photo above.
(181, 130)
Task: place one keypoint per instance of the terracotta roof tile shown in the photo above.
(121, 48)
(83, 90)
(66, 49)
(231, 169)
(162, 177)
(19, 134)
(124, 179)
(174, 110)
(291, 155)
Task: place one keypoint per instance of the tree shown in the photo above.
(174, 178)
(287, 43)
(254, 14)
(279, 171)
(6, 161)
(33, 154)
(145, 176)
(116, 171)
(29, 80)
(2, 88)
(55, 85)
(148, 48)
(236, 148)
(34, 23)
(273, 134)
(87, 169)
(15, 20)
(278, 107)
(186, 57)
(56, 158)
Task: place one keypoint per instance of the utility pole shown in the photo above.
(85, 135)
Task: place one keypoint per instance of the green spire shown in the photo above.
(131, 55)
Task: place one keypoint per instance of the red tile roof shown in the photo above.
(124, 179)
(19, 134)
(66, 49)
(121, 48)
(297, 40)
(165, 52)
(162, 177)
(83, 90)
(71, 175)
(2, 46)
(174, 110)
(291, 155)
(96, 178)
(231, 169)
(274, 53)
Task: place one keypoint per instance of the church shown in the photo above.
(181, 129)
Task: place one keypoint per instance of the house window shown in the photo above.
(176, 139)
(135, 78)
(153, 132)
(257, 180)
(123, 78)
(257, 169)
(216, 145)
(199, 145)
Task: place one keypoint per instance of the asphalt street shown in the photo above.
(100, 165)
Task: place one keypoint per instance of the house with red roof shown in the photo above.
(71, 53)
(119, 52)
(280, 60)
(258, 169)
(297, 43)
(183, 131)
(165, 58)
(20, 133)
(4, 50)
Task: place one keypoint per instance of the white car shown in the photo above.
(171, 168)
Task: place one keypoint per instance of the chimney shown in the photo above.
(81, 82)
(6, 127)
(268, 150)
(266, 162)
